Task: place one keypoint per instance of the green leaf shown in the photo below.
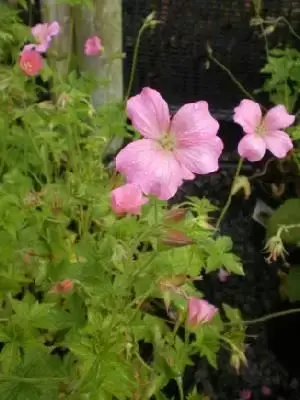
(287, 214)
(219, 256)
(232, 263)
(293, 283)
(233, 314)
(10, 357)
(208, 343)
(224, 244)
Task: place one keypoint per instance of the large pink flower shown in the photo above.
(171, 151)
(200, 311)
(43, 34)
(262, 133)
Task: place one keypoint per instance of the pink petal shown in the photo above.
(42, 47)
(202, 159)
(53, 28)
(149, 113)
(279, 143)
(200, 311)
(192, 309)
(223, 275)
(192, 123)
(278, 118)
(248, 115)
(156, 171)
(246, 394)
(252, 147)
(93, 46)
(28, 47)
(266, 391)
(127, 199)
(39, 30)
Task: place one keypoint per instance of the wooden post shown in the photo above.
(105, 21)
(61, 49)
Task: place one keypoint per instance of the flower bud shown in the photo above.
(177, 239)
(65, 286)
(241, 183)
(275, 248)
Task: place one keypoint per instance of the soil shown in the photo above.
(274, 347)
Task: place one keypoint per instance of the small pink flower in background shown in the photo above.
(246, 394)
(43, 34)
(65, 286)
(200, 311)
(93, 46)
(223, 275)
(28, 47)
(127, 199)
(171, 151)
(31, 62)
(266, 391)
(263, 133)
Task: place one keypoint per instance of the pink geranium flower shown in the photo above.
(262, 133)
(266, 391)
(223, 275)
(246, 394)
(127, 199)
(171, 151)
(200, 311)
(43, 34)
(93, 46)
(31, 62)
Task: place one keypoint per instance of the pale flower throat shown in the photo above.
(168, 141)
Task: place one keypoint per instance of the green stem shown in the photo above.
(296, 161)
(271, 316)
(135, 58)
(291, 29)
(230, 74)
(264, 318)
(31, 380)
(228, 202)
(180, 388)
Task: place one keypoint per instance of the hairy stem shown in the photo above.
(232, 77)
(272, 316)
(228, 202)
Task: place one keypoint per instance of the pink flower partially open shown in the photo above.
(200, 311)
(93, 46)
(31, 62)
(245, 394)
(223, 275)
(127, 199)
(266, 391)
(171, 151)
(43, 34)
(262, 133)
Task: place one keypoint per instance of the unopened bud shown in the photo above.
(63, 100)
(177, 239)
(175, 215)
(150, 18)
(275, 248)
(65, 286)
(270, 29)
(241, 183)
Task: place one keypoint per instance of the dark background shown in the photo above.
(173, 56)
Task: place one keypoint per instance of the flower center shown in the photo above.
(167, 141)
(260, 130)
